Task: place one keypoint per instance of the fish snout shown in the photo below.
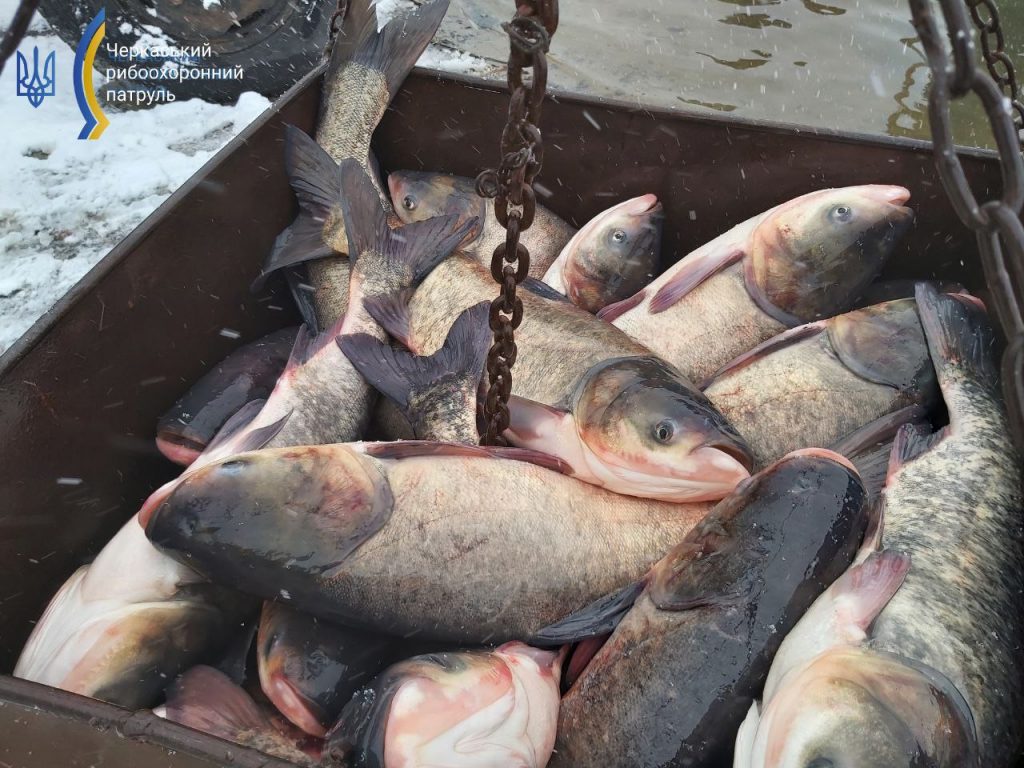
(887, 193)
(720, 466)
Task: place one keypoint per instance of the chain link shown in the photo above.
(996, 223)
(985, 15)
(511, 186)
(334, 26)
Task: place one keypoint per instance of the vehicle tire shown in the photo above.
(275, 42)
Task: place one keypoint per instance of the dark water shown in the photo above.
(854, 65)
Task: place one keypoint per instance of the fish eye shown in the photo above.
(820, 762)
(409, 203)
(619, 236)
(841, 213)
(664, 431)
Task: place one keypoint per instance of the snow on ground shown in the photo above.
(65, 203)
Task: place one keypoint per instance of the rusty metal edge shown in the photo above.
(10, 358)
(142, 726)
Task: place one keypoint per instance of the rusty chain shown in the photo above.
(996, 223)
(511, 186)
(334, 26)
(985, 15)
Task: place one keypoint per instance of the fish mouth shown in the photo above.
(179, 449)
(640, 205)
(887, 193)
(394, 185)
(720, 468)
(299, 710)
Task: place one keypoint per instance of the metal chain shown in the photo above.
(985, 15)
(511, 184)
(337, 19)
(996, 223)
(16, 32)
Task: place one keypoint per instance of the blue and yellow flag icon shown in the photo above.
(95, 121)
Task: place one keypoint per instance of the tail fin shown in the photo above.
(410, 252)
(393, 50)
(959, 335)
(403, 377)
(315, 179)
(391, 311)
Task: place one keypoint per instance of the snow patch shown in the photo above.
(65, 203)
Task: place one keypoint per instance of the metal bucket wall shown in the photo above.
(81, 392)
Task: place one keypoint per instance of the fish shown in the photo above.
(584, 392)
(309, 668)
(858, 708)
(327, 529)
(208, 701)
(953, 502)
(448, 710)
(383, 262)
(677, 676)
(121, 627)
(799, 262)
(815, 384)
(367, 67)
(438, 393)
(249, 373)
(830, 700)
(613, 256)
(418, 195)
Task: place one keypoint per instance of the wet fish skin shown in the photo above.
(247, 374)
(120, 640)
(613, 255)
(123, 625)
(803, 260)
(309, 668)
(481, 708)
(438, 393)
(679, 672)
(208, 701)
(366, 69)
(953, 501)
(327, 525)
(855, 707)
(829, 700)
(566, 353)
(816, 383)
(418, 195)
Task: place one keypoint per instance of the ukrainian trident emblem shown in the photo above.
(36, 87)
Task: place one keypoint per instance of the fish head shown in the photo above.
(805, 508)
(855, 708)
(614, 254)
(653, 434)
(421, 195)
(260, 519)
(309, 668)
(813, 256)
(493, 708)
(885, 344)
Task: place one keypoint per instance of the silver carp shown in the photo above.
(802, 261)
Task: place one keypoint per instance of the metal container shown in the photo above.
(81, 392)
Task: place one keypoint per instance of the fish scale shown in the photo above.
(956, 511)
(700, 348)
